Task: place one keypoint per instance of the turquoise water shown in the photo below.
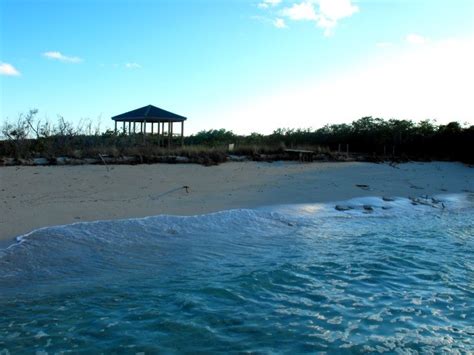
(289, 279)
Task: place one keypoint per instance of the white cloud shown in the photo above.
(8, 69)
(279, 23)
(325, 13)
(415, 39)
(61, 57)
(300, 12)
(331, 11)
(132, 66)
(265, 4)
(434, 81)
(337, 9)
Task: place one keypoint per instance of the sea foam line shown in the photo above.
(292, 213)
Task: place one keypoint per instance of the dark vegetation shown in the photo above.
(368, 139)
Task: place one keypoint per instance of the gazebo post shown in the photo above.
(152, 124)
(134, 127)
(159, 135)
(169, 134)
(182, 133)
(144, 130)
(163, 132)
(129, 127)
(115, 127)
(123, 127)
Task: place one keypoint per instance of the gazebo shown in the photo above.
(150, 115)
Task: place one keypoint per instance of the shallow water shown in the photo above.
(284, 279)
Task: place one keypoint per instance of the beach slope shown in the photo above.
(34, 197)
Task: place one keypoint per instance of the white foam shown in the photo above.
(261, 220)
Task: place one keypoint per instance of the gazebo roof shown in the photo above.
(149, 113)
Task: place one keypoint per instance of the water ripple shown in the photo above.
(245, 281)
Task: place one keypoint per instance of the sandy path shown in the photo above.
(34, 197)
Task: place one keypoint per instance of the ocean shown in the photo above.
(375, 275)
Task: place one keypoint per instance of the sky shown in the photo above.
(246, 66)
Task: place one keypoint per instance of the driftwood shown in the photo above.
(185, 187)
(103, 161)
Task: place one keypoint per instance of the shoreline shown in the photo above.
(37, 197)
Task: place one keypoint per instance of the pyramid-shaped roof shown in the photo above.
(149, 113)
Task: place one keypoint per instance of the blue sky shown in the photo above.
(240, 65)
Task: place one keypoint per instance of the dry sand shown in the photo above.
(34, 197)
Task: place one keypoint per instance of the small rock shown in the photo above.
(368, 208)
(388, 199)
(343, 208)
(40, 161)
(180, 159)
(232, 157)
(62, 160)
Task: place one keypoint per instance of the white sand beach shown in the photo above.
(35, 197)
